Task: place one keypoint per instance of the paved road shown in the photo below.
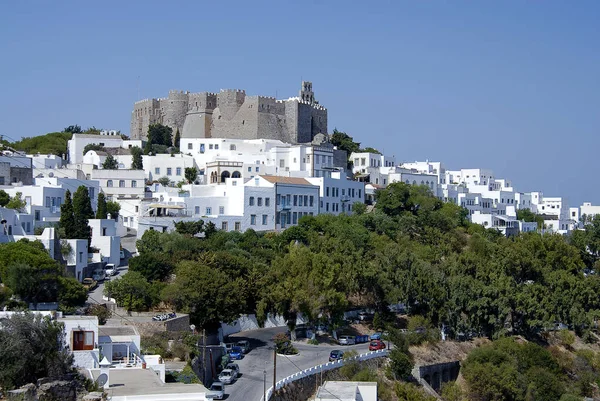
(249, 387)
(128, 244)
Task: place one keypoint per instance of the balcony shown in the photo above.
(284, 206)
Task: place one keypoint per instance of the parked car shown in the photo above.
(347, 340)
(336, 355)
(89, 283)
(99, 275)
(236, 352)
(244, 345)
(365, 316)
(376, 336)
(110, 270)
(235, 368)
(227, 376)
(376, 345)
(216, 391)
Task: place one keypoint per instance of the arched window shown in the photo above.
(251, 201)
(236, 174)
(422, 182)
(225, 174)
(414, 182)
(232, 147)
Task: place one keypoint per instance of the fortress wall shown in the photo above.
(242, 125)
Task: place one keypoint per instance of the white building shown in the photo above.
(337, 193)
(105, 238)
(347, 391)
(166, 165)
(78, 143)
(121, 184)
(46, 161)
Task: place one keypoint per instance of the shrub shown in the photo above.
(313, 341)
(400, 366)
(566, 338)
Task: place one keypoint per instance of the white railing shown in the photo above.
(322, 368)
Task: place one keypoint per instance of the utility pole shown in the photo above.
(274, 366)
(265, 384)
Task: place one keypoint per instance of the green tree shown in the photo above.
(4, 198)
(71, 293)
(67, 218)
(203, 289)
(159, 134)
(113, 208)
(370, 150)
(152, 266)
(73, 129)
(137, 161)
(110, 163)
(101, 312)
(92, 146)
(17, 203)
(164, 181)
(177, 139)
(31, 347)
(82, 212)
(191, 173)
(101, 211)
(132, 291)
(401, 365)
(189, 227)
(54, 143)
(344, 141)
(359, 208)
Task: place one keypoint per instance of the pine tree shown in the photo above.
(110, 163)
(82, 212)
(137, 162)
(101, 213)
(67, 219)
(177, 139)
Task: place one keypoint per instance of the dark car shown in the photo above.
(336, 355)
(376, 345)
(236, 352)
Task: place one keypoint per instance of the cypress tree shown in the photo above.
(137, 162)
(101, 213)
(177, 139)
(67, 219)
(82, 211)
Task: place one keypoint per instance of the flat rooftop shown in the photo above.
(347, 391)
(138, 382)
(117, 331)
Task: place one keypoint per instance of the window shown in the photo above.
(264, 219)
(278, 199)
(249, 169)
(326, 191)
(169, 171)
(37, 215)
(178, 171)
(137, 209)
(121, 183)
(295, 218)
(282, 163)
(296, 200)
(359, 193)
(257, 169)
(190, 146)
(221, 209)
(238, 226)
(83, 340)
(216, 147)
(253, 219)
(210, 146)
(251, 201)
(133, 184)
(327, 207)
(109, 183)
(231, 147)
(267, 201)
(197, 210)
(305, 201)
(208, 211)
(259, 202)
(256, 181)
(224, 226)
(157, 170)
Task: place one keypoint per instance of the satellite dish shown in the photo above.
(51, 175)
(102, 379)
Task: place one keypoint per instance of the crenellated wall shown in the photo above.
(232, 114)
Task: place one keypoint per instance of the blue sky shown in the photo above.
(513, 86)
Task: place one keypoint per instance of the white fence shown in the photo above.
(323, 368)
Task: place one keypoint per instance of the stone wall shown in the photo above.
(231, 114)
(21, 174)
(437, 374)
(65, 388)
(148, 328)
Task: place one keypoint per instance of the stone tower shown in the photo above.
(306, 93)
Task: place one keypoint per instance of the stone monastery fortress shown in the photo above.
(232, 114)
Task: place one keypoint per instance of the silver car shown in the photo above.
(227, 376)
(347, 340)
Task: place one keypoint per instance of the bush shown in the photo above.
(313, 341)
(400, 366)
(566, 338)
(284, 345)
(100, 311)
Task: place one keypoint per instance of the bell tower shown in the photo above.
(306, 93)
